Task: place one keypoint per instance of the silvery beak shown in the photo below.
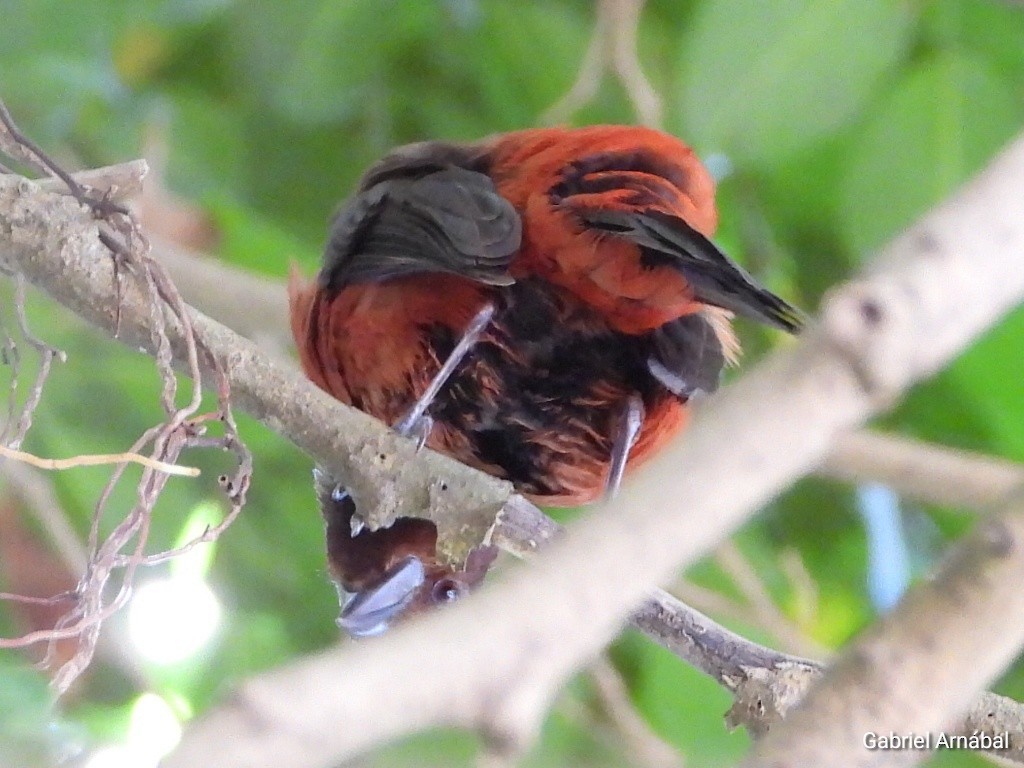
(371, 611)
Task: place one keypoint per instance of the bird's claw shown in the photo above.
(419, 430)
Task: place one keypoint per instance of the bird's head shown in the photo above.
(386, 575)
(408, 587)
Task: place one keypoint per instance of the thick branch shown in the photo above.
(766, 683)
(921, 665)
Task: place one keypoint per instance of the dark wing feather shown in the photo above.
(716, 279)
(436, 219)
(687, 356)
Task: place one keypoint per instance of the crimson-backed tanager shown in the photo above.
(579, 260)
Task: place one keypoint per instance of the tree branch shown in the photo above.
(54, 243)
(920, 667)
(924, 472)
(766, 684)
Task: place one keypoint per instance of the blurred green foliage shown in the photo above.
(841, 121)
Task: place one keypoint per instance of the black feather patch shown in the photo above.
(419, 213)
(590, 174)
(666, 240)
(686, 356)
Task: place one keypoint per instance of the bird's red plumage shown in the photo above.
(617, 294)
(601, 271)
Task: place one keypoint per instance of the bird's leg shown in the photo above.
(629, 428)
(408, 423)
(416, 423)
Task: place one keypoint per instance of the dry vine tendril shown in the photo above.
(123, 549)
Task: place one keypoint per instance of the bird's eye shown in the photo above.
(448, 590)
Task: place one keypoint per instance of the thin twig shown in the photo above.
(613, 47)
(19, 418)
(183, 427)
(760, 605)
(98, 459)
(28, 600)
(642, 743)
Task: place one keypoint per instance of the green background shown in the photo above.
(841, 121)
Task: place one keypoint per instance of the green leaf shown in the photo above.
(255, 242)
(206, 139)
(990, 375)
(48, 92)
(191, 11)
(761, 80)
(31, 28)
(990, 30)
(335, 62)
(939, 124)
(799, 201)
(317, 61)
(519, 60)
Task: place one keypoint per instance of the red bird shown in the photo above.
(541, 305)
